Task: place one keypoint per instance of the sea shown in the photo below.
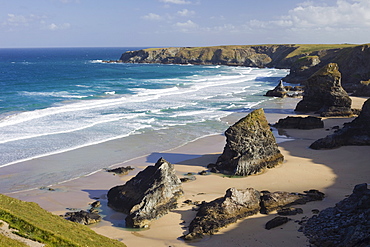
(54, 100)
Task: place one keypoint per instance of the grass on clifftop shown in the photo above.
(37, 224)
(301, 48)
(308, 48)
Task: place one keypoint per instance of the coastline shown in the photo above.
(334, 172)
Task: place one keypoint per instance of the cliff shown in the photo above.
(302, 60)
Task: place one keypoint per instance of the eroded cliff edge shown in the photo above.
(302, 60)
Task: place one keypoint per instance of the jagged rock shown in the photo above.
(300, 123)
(120, 170)
(355, 133)
(278, 91)
(271, 201)
(151, 194)
(96, 204)
(212, 216)
(345, 225)
(325, 95)
(250, 147)
(275, 222)
(83, 217)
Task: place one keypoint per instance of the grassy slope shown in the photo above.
(301, 48)
(5, 241)
(36, 223)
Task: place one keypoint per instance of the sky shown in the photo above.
(164, 23)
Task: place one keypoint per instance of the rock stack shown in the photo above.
(278, 91)
(250, 147)
(151, 194)
(325, 95)
(355, 133)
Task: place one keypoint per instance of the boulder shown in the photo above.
(325, 95)
(120, 170)
(356, 132)
(151, 194)
(300, 123)
(83, 217)
(275, 222)
(345, 225)
(271, 201)
(250, 147)
(212, 216)
(278, 91)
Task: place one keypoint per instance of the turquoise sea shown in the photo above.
(57, 99)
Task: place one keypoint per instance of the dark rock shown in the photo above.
(151, 194)
(355, 133)
(250, 147)
(345, 225)
(83, 217)
(204, 172)
(212, 216)
(278, 91)
(300, 123)
(275, 222)
(121, 170)
(290, 211)
(95, 204)
(363, 89)
(271, 201)
(325, 95)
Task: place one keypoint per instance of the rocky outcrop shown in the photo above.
(151, 194)
(250, 147)
(83, 217)
(238, 204)
(271, 201)
(302, 60)
(212, 216)
(325, 95)
(247, 55)
(278, 91)
(345, 225)
(305, 123)
(355, 133)
(120, 170)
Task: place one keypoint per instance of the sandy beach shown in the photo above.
(334, 172)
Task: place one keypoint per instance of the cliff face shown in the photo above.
(302, 60)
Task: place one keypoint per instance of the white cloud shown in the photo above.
(176, 1)
(186, 26)
(54, 27)
(14, 20)
(344, 14)
(152, 17)
(186, 12)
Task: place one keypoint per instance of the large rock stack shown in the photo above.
(250, 147)
(325, 95)
(355, 133)
(151, 194)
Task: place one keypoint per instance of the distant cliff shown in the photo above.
(302, 60)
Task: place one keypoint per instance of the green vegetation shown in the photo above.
(37, 224)
(5, 241)
(308, 48)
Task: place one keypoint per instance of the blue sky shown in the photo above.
(162, 23)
